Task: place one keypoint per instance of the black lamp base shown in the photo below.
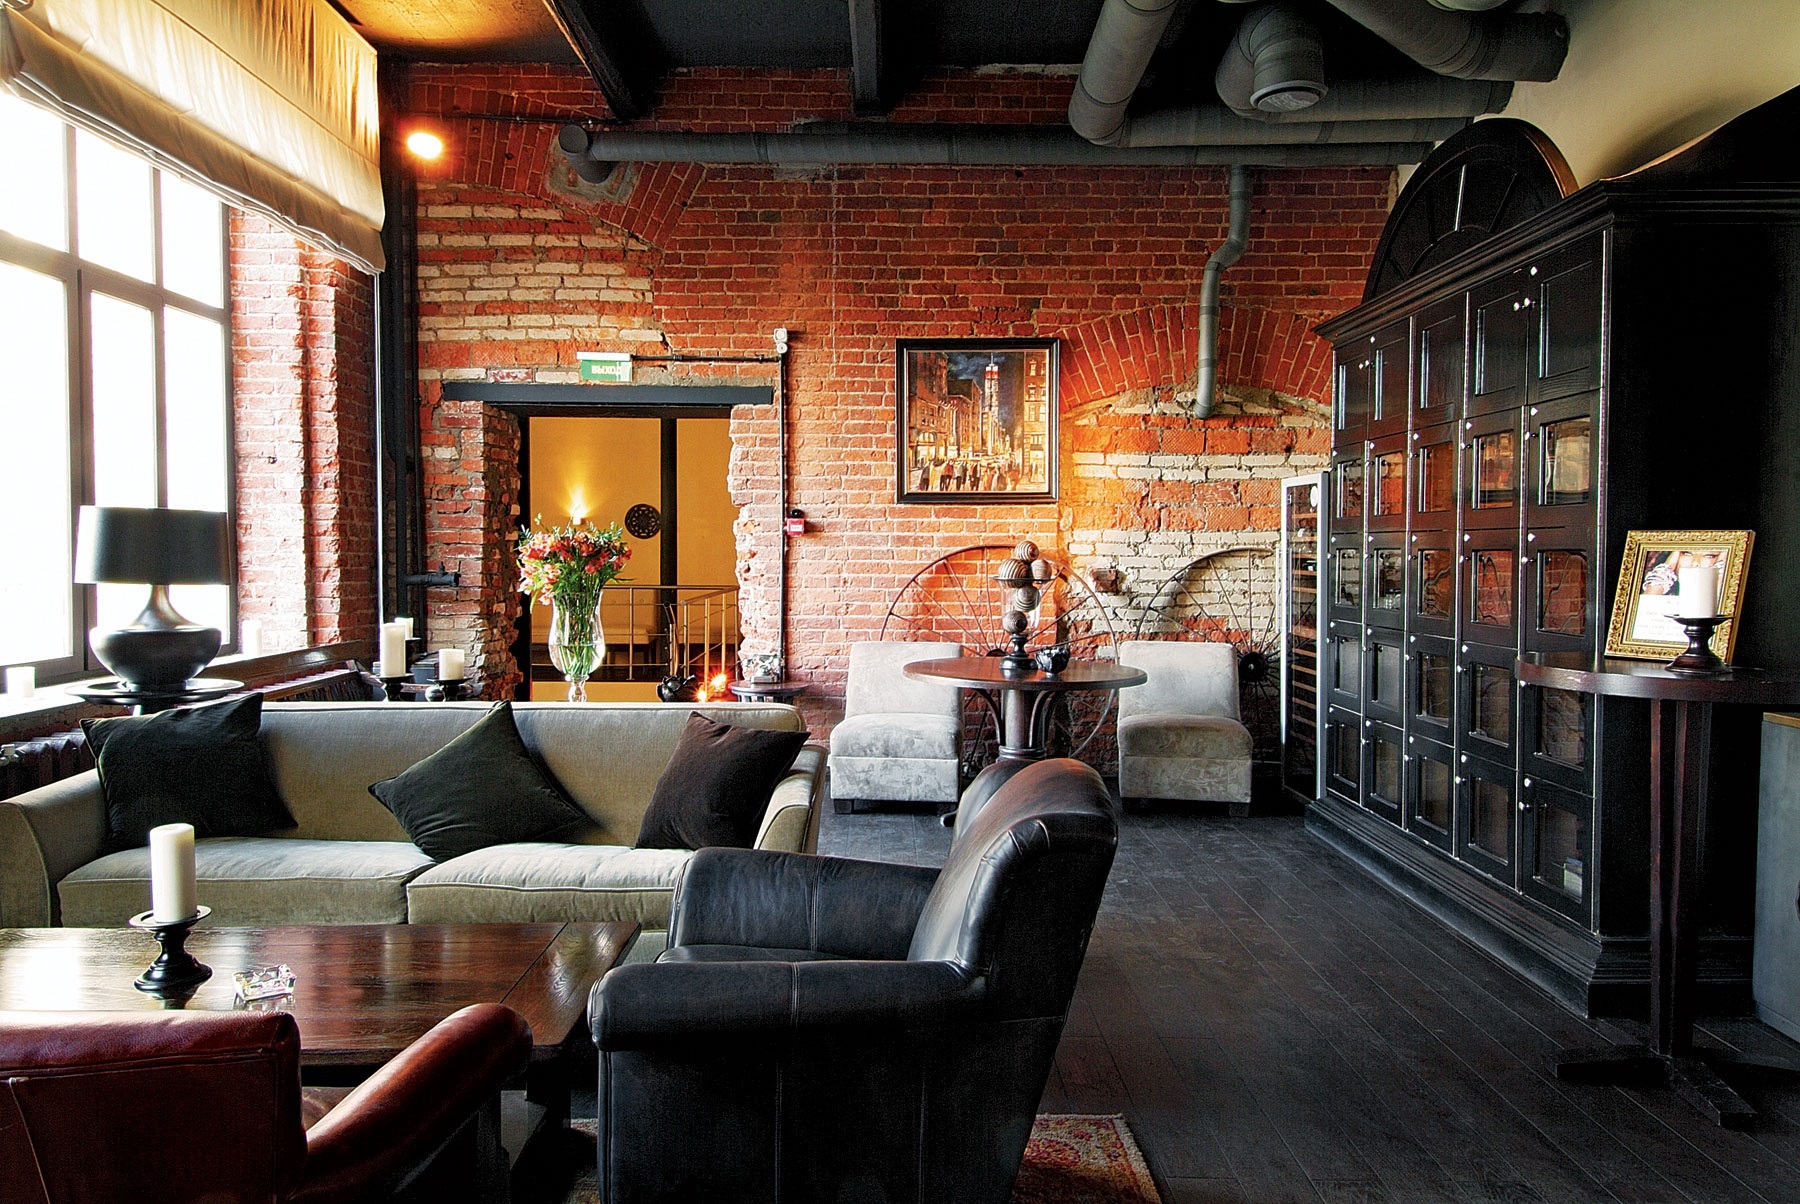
(175, 969)
(160, 650)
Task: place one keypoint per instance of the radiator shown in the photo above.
(28, 764)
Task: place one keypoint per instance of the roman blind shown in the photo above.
(272, 105)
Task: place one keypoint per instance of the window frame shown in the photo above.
(82, 280)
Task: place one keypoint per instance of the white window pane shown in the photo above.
(36, 598)
(207, 605)
(194, 412)
(193, 232)
(124, 392)
(113, 214)
(33, 195)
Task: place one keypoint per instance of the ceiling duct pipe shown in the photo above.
(1125, 36)
(1266, 72)
(1231, 140)
(1276, 62)
(1528, 46)
(1237, 237)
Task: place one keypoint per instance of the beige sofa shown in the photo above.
(349, 862)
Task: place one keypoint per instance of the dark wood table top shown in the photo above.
(1618, 677)
(362, 992)
(985, 673)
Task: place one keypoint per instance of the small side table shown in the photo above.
(768, 691)
(1680, 761)
(147, 702)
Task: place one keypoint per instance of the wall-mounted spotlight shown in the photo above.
(781, 340)
(425, 144)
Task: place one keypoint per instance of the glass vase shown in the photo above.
(577, 642)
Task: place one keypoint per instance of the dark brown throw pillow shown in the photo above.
(483, 788)
(717, 785)
(200, 765)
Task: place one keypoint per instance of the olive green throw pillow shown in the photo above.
(198, 765)
(717, 785)
(483, 788)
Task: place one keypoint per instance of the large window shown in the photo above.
(114, 374)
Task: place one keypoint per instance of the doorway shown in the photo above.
(662, 479)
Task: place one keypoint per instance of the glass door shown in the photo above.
(1300, 556)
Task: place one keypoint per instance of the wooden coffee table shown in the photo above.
(363, 992)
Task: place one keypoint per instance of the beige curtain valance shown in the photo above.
(271, 104)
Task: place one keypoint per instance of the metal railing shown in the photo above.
(656, 630)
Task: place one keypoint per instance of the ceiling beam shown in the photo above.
(603, 54)
(868, 82)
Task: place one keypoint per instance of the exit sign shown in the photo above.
(613, 367)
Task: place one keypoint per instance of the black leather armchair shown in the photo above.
(178, 1107)
(823, 1029)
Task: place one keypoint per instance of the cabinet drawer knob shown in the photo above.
(1528, 783)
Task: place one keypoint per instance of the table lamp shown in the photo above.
(157, 547)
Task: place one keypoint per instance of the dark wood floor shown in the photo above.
(1278, 1027)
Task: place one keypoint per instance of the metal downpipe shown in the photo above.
(1237, 237)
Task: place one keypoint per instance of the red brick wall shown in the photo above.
(521, 267)
(303, 406)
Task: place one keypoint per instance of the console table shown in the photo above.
(1680, 758)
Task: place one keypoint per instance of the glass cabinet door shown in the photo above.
(1562, 450)
(1556, 847)
(1430, 792)
(1343, 754)
(1384, 588)
(1488, 587)
(1300, 501)
(1345, 555)
(1500, 321)
(1556, 736)
(1341, 654)
(1485, 815)
(1564, 299)
(1384, 675)
(1431, 583)
(1355, 391)
(1433, 480)
(1486, 718)
(1492, 471)
(1391, 404)
(1386, 483)
(1383, 763)
(1560, 599)
(1431, 688)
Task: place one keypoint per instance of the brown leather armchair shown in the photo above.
(206, 1107)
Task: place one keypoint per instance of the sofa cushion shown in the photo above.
(194, 765)
(252, 880)
(527, 883)
(1212, 737)
(716, 786)
(896, 734)
(483, 788)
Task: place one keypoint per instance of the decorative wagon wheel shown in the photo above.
(1230, 596)
(956, 598)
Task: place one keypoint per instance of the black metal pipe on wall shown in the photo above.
(400, 492)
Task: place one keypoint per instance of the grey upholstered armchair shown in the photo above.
(1179, 732)
(900, 740)
(824, 1030)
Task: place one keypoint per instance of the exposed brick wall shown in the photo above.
(521, 267)
(303, 408)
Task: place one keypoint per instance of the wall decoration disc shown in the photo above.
(643, 521)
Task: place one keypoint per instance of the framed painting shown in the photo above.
(1650, 597)
(975, 420)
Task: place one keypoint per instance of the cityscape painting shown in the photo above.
(975, 420)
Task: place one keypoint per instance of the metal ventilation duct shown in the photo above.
(1232, 140)
(1529, 46)
(1276, 63)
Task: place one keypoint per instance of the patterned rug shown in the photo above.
(1069, 1160)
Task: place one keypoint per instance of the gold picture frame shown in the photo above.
(1643, 626)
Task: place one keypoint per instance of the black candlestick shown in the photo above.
(1699, 660)
(175, 969)
(394, 687)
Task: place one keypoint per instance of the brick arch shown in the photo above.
(1259, 348)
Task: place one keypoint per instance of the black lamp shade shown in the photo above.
(156, 546)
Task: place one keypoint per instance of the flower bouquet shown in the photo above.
(566, 568)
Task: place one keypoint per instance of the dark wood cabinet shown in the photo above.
(1623, 359)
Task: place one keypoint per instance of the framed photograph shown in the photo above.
(1649, 595)
(975, 420)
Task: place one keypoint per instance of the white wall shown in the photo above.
(1645, 76)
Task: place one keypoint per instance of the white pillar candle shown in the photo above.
(21, 681)
(250, 637)
(406, 624)
(452, 664)
(172, 894)
(393, 650)
(1697, 595)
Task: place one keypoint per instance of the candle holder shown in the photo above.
(395, 687)
(1699, 660)
(453, 690)
(175, 969)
